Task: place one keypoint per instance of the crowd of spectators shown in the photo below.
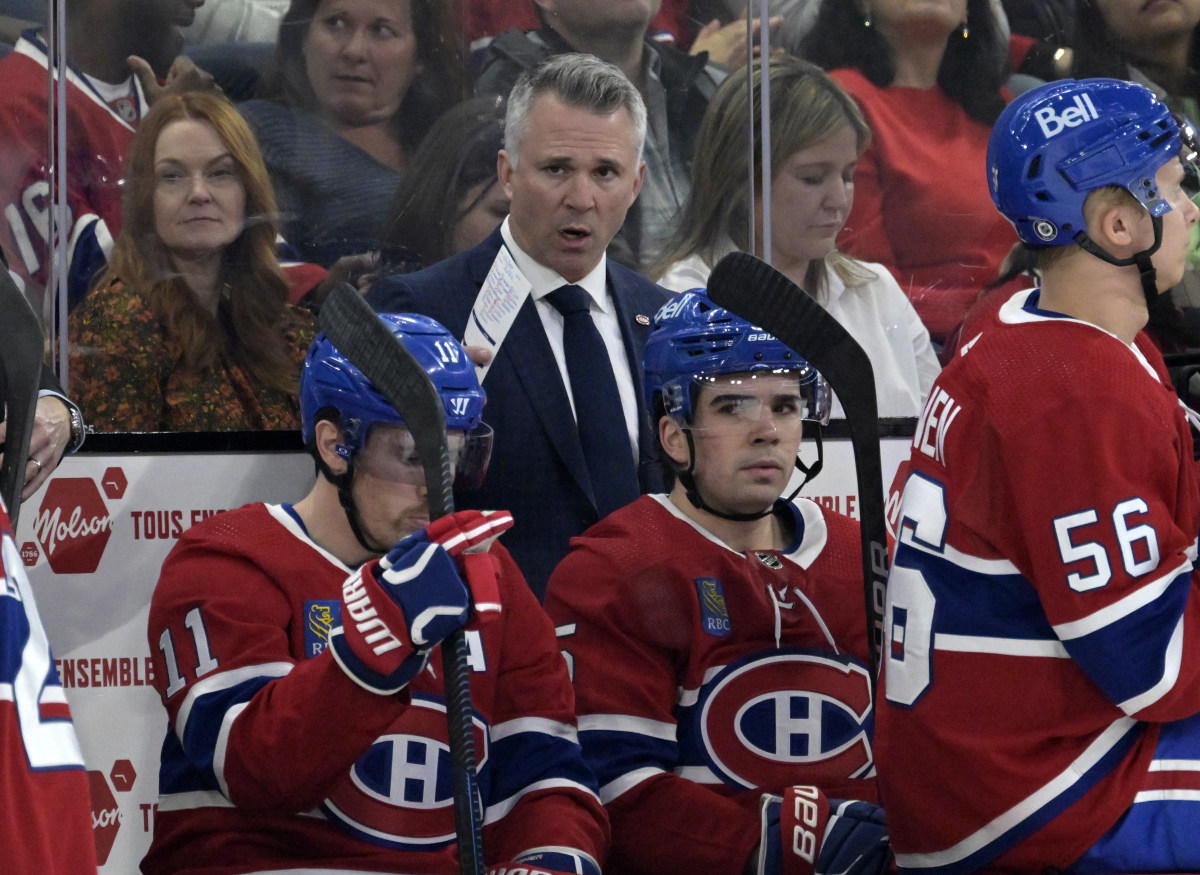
(575, 165)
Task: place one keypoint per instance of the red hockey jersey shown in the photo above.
(705, 677)
(45, 806)
(1042, 613)
(97, 139)
(276, 759)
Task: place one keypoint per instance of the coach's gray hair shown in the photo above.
(581, 81)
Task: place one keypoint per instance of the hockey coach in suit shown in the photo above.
(573, 439)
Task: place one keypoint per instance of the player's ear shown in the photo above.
(1116, 223)
(327, 437)
(674, 441)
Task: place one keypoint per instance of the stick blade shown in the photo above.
(760, 294)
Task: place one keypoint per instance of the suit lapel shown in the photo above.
(528, 353)
(634, 316)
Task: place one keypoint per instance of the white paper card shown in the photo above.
(503, 293)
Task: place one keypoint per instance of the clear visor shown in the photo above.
(1189, 154)
(390, 453)
(785, 398)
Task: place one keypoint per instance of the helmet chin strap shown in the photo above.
(1145, 266)
(343, 482)
(688, 479)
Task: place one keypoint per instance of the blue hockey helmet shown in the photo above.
(692, 339)
(330, 380)
(1056, 143)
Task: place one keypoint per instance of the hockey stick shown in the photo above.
(20, 368)
(362, 337)
(760, 294)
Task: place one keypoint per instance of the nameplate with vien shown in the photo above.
(495, 307)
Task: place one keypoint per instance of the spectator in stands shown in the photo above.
(189, 327)
(930, 80)
(355, 85)
(116, 50)
(817, 137)
(573, 440)
(674, 86)
(450, 200)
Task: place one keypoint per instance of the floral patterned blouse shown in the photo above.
(126, 374)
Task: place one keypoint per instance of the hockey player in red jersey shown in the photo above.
(716, 633)
(46, 825)
(296, 653)
(115, 51)
(1041, 679)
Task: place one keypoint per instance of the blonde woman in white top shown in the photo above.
(817, 135)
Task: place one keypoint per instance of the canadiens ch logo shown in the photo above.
(762, 717)
(400, 793)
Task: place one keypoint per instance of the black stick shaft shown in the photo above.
(760, 294)
(363, 338)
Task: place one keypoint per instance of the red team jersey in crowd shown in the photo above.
(1039, 599)
(45, 807)
(704, 677)
(323, 773)
(98, 139)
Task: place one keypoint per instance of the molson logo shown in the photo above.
(72, 525)
(106, 816)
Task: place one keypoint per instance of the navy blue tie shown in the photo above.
(598, 411)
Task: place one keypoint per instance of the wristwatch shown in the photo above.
(78, 432)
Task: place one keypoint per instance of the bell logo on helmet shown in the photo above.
(1053, 123)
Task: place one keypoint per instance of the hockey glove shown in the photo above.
(556, 861)
(803, 833)
(396, 610)
(468, 535)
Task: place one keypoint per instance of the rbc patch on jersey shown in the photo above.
(714, 613)
(787, 716)
(319, 617)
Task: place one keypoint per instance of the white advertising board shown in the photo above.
(93, 539)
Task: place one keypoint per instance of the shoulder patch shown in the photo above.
(320, 616)
(714, 613)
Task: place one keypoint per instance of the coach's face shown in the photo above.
(575, 176)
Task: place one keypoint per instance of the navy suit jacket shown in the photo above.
(537, 470)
